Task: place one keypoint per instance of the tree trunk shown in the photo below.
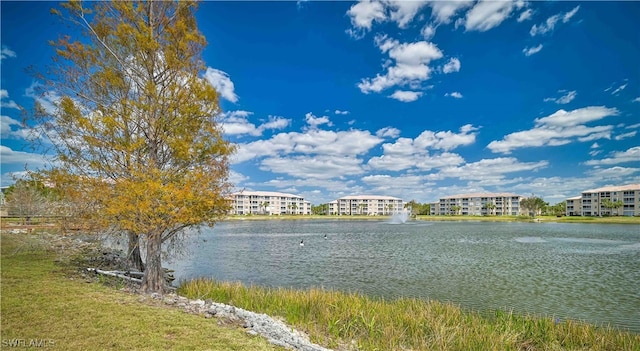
(134, 259)
(153, 279)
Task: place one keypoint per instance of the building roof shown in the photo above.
(265, 193)
(369, 197)
(474, 195)
(629, 187)
(575, 198)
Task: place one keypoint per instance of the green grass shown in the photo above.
(342, 321)
(40, 301)
(564, 219)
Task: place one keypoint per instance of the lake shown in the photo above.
(587, 272)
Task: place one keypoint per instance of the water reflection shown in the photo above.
(580, 271)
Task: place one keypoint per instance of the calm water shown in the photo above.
(580, 271)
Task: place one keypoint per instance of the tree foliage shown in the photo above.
(533, 205)
(134, 127)
(27, 199)
(558, 209)
(610, 205)
(321, 209)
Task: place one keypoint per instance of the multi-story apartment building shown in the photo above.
(267, 202)
(479, 204)
(607, 201)
(371, 205)
(574, 206)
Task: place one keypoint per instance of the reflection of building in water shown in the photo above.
(607, 201)
(478, 204)
(268, 202)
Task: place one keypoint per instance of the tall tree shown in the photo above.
(533, 205)
(608, 204)
(136, 124)
(490, 206)
(26, 199)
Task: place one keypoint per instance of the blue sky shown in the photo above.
(414, 99)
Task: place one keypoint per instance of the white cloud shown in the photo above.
(630, 155)
(443, 11)
(452, 66)
(551, 22)
(6, 124)
(397, 160)
(619, 89)
(275, 122)
(237, 123)
(388, 132)
(564, 99)
(567, 16)
(314, 121)
(613, 173)
(625, 135)
(311, 142)
(545, 27)
(525, 15)
(409, 64)
(532, 50)
(637, 99)
(403, 12)
(487, 14)
(428, 31)
(7, 104)
(363, 14)
(6, 52)
(222, 82)
(338, 112)
(559, 128)
(319, 167)
(454, 94)
(491, 168)
(405, 96)
(443, 140)
(13, 157)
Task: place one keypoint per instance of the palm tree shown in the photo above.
(264, 207)
(294, 207)
(608, 204)
(490, 207)
(455, 209)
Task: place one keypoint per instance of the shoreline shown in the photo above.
(457, 218)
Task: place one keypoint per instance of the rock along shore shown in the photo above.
(275, 331)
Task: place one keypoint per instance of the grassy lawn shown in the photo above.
(42, 304)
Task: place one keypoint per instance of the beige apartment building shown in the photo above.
(574, 206)
(371, 205)
(268, 203)
(597, 202)
(478, 204)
